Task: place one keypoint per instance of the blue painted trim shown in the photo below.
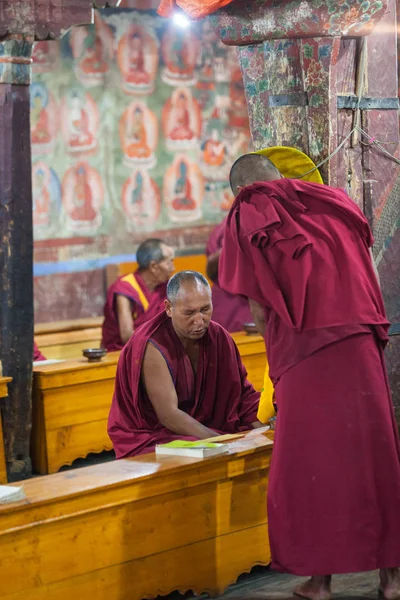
(394, 329)
(76, 266)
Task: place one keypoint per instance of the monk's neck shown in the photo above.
(148, 279)
(189, 345)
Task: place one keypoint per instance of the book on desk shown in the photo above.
(198, 449)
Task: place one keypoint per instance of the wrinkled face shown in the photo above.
(191, 312)
(163, 270)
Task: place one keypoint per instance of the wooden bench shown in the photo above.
(71, 402)
(67, 339)
(252, 351)
(3, 394)
(137, 528)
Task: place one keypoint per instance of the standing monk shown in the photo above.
(180, 376)
(301, 253)
(135, 298)
(230, 311)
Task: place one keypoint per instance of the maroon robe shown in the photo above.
(219, 396)
(301, 250)
(229, 310)
(111, 339)
(37, 355)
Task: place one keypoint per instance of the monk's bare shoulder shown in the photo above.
(157, 378)
(154, 365)
(152, 357)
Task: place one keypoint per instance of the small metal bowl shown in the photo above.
(250, 328)
(94, 354)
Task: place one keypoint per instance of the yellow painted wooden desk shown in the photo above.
(3, 395)
(252, 351)
(140, 527)
(67, 339)
(71, 402)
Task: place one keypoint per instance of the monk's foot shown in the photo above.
(316, 588)
(389, 586)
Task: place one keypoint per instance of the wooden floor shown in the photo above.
(264, 584)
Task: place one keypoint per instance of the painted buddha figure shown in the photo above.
(180, 120)
(136, 73)
(82, 198)
(41, 199)
(183, 190)
(80, 135)
(40, 133)
(136, 136)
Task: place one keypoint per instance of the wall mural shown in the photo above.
(135, 124)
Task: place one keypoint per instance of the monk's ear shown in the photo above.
(168, 307)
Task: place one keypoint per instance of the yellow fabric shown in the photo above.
(131, 279)
(266, 408)
(291, 162)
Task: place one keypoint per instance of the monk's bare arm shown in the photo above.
(125, 319)
(257, 312)
(162, 394)
(212, 266)
(375, 267)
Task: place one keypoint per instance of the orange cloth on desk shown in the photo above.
(197, 9)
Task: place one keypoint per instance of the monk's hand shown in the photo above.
(257, 424)
(212, 266)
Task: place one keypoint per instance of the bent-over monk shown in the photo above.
(301, 252)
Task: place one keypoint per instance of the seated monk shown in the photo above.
(137, 297)
(37, 355)
(180, 376)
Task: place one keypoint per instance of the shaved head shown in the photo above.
(250, 168)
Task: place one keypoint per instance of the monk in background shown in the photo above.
(302, 253)
(180, 376)
(229, 310)
(37, 355)
(135, 298)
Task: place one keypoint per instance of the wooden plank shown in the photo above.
(68, 325)
(209, 566)
(88, 529)
(68, 443)
(68, 344)
(4, 381)
(71, 402)
(74, 371)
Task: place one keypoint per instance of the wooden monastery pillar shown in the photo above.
(16, 282)
(22, 22)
